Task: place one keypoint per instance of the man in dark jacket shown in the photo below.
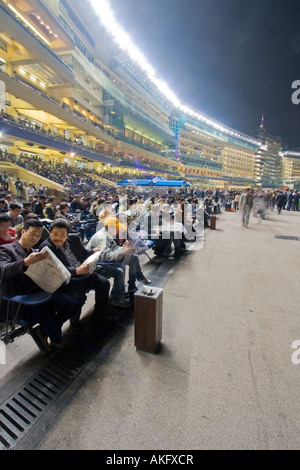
(38, 207)
(15, 258)
(76, 205)
(280, 201)
(71, 252)
(296, 200)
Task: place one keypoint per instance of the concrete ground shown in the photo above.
(226, 376)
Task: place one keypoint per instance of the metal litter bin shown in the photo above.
(148, 318)
(213, 219)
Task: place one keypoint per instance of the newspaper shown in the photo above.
(92, 261)
(49, 274)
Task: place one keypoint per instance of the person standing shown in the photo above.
(280, 201)
(246, 204)
(5, 180)
(236, 201)
(296, 200)
(30, 191)
(19, 188)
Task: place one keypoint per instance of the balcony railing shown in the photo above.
(6, 10)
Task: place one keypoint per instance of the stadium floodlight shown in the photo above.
(106, 16)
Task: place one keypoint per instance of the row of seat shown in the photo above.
(18, 327)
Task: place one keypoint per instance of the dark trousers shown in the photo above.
(78, 287)
(52, 315)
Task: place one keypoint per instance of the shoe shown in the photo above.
(178, 253)
(43, 339)
(132, 291)
(60, 345)
(145, 280)
(124, 303)
(76, 327)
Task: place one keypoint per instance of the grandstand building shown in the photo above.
(291, 169)
(71, 95)
(213, 157)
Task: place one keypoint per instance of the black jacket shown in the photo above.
(77, 286)
(77, 248)
(38, 210)
(12, 274)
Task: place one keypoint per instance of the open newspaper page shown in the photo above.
(92, 261)
(49, 274)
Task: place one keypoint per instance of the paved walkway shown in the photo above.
(224, 378)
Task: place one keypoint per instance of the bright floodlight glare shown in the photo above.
(107, 18)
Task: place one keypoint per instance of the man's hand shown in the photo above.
(127, 248)
(82, 270)
(35, 258)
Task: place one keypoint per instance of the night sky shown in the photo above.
(233, 60)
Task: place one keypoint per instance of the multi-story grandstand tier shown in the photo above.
(291, 169)
(70, 95)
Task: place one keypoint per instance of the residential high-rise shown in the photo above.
(268, 172)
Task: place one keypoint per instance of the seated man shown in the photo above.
(76, 205)
(50, 208)
(63, 213)
(38, 207)
(27, 207)
(14, 261)
(115, 269)
(108, 239)
(14, 213)
(3, 206)
(71, 252)
(45, 231)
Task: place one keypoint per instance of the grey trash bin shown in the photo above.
(148, 302)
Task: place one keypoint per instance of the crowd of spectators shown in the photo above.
(114, 157)
(122, 219)
(71, 177)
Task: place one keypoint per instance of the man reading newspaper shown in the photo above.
(76, 258)
(15, 260)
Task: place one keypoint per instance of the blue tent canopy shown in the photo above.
(157, 181)
(143, 182)
(126, 183)
(177, 184)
